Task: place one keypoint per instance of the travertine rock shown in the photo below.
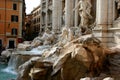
(26, 42)
(87, 78)
(41, 70)
(36, 43)
(108, 78)
(23, 47)
(24, 69)
(84, 56)
(6, 53)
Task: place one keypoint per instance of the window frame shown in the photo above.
(14, 18)
(14, 31)
(14, 6)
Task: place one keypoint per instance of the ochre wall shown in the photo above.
(6, 10)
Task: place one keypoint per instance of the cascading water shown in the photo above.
(11, 68)
(6, 75)
(7, 71)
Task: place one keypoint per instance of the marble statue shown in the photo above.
(48, 37)
(65, 37)
(84, 12)
(118, 6)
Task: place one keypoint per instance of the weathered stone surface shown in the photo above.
(24, 69)
(108, 78)
(41, 70)
(84, 57)
(3, 59)
(36, 42)
(87, 78)
(114, 62)
(26, 42)
(23, 47)
(6, 53)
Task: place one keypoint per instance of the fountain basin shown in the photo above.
(6, 74)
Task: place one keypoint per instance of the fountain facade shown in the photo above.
(74, 49)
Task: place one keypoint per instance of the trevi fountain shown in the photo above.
(87, 47)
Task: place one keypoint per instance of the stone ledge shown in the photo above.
(111, 29)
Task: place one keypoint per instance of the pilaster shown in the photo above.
(57, 16)
(69, 13)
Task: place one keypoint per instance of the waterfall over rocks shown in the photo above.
(17, 58)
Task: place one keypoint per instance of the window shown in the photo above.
(14, 18)
(0, 44)
(14, 31)
(14, 6)
(11, 44)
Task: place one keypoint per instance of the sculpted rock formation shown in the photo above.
(24, 47)
(6, 53)
(25, 68)
(73, 55)
(47, 38)
(84, 56)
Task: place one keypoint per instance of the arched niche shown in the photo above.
(93, 11)
(117, 12)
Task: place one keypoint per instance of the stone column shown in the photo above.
(46, 18)
(60, 11)
(69, 13)
(57, 15)
(102, 12)
(41, 20)
(102, 19)
(20, 19)
(76, 14)
(111, 16)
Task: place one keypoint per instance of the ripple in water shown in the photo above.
(7, 73)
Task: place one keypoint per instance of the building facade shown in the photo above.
(36, 20)
(46, 15)
(11, 22)
(28, 30)
(32, 24)
(101, 15)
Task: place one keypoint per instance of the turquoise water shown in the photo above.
(5, 73)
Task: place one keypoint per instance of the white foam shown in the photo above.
(9, 70)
